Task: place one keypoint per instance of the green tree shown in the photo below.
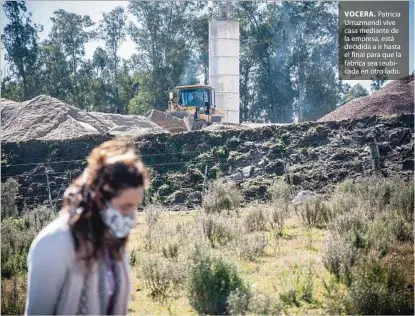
(99, 61)
(163, 38)
(54, 73)
(101, 85)
(112, 29)
(246, 13)
(70, 32)
(312, 28)
(266, 90)
(355, 92)
(20, 39)
(377, 84)
(141, 102)
(199, 24)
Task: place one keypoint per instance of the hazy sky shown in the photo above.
(43, 10)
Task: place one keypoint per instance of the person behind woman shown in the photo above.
(78, 263)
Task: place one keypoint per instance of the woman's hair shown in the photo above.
(112, 167)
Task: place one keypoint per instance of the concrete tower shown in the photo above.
(224, 64)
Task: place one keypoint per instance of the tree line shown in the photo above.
(288, 57)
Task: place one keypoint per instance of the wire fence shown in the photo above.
(67, 176)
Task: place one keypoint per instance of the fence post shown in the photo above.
(205, 177)
(49, 193)
(374, 155)
(287, 173)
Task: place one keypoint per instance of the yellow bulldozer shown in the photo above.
(190, 108)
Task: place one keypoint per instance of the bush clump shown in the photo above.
(152, 216)
(218, 230)
(298, 288)
(280, 207)
(314, 212)
(256, 220)
(370, 222)
(17, 235)
(220, 197)
(241, 303)
(9, 192)
(211, 282)
(171, 250)
(13, 295)
(252, 246)
(163, 277)
(379, 290)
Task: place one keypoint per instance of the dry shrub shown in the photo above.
(249, 302)
(379, 290)
(171, 250)
(9, 192)
(217, 229)
(376, 194)
(280, 207)
(339, 257)
(263, 304)
(163, 277)
(156, 230)
(152, 214)
(255, 220)
(13, 295)
(341, 203)
(221, 196)
(402, 200)
(252, 246)
(238, 301)
(280, 191)
(314, 212)
(277, 218)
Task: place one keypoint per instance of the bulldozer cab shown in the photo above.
(197, 97)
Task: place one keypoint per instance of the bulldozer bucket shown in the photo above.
(169, 122)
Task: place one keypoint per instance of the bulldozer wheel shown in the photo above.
(198, 125)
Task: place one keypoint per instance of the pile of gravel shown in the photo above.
(47, 118)
(7, 107)
(394, 98)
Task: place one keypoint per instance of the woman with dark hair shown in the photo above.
(78, 263)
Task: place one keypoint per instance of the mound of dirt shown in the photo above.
(133, 125)
(227, 127)
(395, 98)
(7, 107)
(168, 122)
(45, 117)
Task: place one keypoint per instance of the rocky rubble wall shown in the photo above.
(317, 156)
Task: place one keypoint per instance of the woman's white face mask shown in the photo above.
(119, 225)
